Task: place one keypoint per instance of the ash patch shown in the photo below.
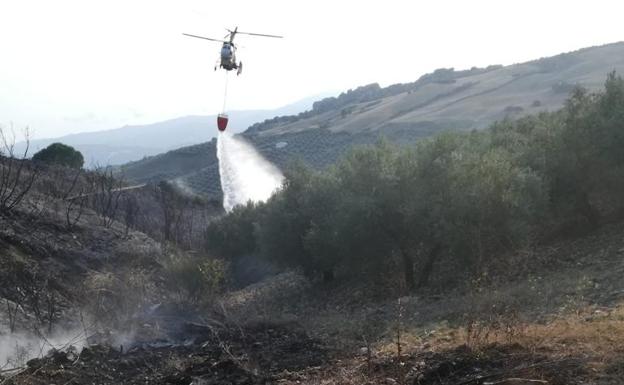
(279, 346)
(255, 353)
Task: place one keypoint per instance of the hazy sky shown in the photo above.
(80, 65)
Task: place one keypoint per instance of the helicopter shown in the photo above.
(228, 49)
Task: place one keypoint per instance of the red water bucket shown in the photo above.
(222, 121)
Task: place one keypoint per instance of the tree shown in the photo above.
(17, 174)
(60, 154)
(106, 193)
(424, 175)
(371, 214)
(494, 205)
(284, 222)
(172, 204)
(232, 236)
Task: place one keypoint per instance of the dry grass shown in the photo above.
(594, 337)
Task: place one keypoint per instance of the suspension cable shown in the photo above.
(226, 90)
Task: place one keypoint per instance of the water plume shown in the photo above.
(245, 174)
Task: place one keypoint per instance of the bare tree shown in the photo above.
(131, 211)
(12, 308)
(172, 208)
(32, 291)
(106, 195)
(75, 204)
(50, 303)
(17, 174)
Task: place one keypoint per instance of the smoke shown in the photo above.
(245, 174)
(180, 184)
(17, 348)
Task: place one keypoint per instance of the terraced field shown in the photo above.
(196, 168)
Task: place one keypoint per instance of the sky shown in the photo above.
(70, 66)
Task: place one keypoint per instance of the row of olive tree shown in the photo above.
(385, 206)
(460, 198)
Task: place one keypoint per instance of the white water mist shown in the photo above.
(245, 174)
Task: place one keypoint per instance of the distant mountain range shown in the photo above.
(443, 100)
(129, 143)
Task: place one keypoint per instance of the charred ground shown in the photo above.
(559, 322)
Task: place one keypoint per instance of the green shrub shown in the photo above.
(60, 154)
(195, 281)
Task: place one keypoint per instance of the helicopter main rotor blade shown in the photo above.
(205, 38)
(260, 34)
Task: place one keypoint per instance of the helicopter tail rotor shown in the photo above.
(231, 34)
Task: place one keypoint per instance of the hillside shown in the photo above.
(130, 143)
(442, 100)
(113, 318)
(465, 100)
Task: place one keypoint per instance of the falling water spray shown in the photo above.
(245, 174)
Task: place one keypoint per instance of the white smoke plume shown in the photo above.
(17, 348)
(245, 174)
